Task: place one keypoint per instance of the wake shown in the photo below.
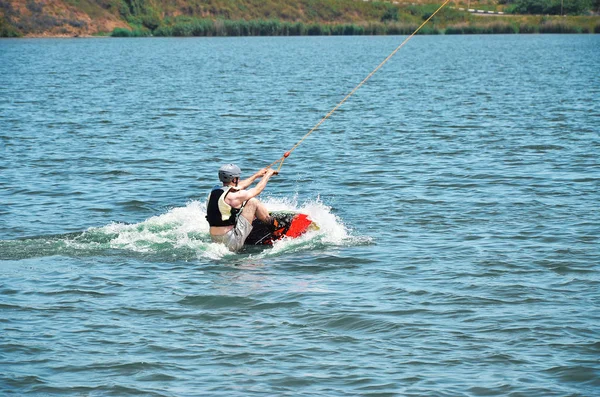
(185, 231)
(182, 233)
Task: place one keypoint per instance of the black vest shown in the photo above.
(213, 213)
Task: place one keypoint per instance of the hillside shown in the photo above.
(58, 17)
(48, 18)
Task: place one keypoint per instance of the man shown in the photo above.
(231, 208)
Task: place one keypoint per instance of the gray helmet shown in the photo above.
(229, 172)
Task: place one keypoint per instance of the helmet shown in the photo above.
(229, 172)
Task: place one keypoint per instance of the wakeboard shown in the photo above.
(287, 224)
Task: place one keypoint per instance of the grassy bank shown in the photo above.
(192, 27)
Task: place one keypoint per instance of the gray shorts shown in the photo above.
(234, 239)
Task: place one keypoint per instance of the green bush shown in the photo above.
(7, 30)
(391, 13)
(121, 32)
(151, 21)
(184, 29)
(164, 31)
(136, 32)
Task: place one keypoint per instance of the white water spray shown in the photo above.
(186, 229)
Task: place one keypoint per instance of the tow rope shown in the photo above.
(287, 154)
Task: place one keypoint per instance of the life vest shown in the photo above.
(218, 212)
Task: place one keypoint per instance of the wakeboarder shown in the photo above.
(231, 208)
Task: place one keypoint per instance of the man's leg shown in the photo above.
(255, 209)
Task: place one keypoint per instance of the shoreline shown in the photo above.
(108, 36)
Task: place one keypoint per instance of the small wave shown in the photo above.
(116, 172)
(76, 291)
(576, 373)
(245, 116)
(542, 147)
(134, 205)
(210, 302)
(217, 301)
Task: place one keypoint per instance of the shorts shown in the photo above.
(234, 239)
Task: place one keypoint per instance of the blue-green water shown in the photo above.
(458, 194)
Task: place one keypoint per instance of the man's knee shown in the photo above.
(249, 211)
(252, 203)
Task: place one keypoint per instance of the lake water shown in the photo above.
(458, 194)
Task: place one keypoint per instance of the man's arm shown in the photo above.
(248, 181)
(235, 199)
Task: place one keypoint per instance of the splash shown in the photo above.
(183, 233)
(332, 231)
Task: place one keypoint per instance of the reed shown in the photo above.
(188, 27)
(528, 28)
(403, 29)
(462, 28)
(559, 27)
(490, 28)
(500, 28)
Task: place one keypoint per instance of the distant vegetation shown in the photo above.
(552, 7)
(140, 18)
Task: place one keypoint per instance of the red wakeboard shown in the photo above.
(287, 224)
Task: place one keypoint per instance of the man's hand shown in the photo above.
(269, 172)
